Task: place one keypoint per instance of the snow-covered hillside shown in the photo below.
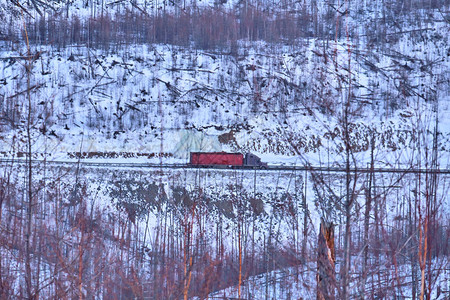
(348, 84)
(268, 99)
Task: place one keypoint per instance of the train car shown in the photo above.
(251, 160)
(226, 159)
(216, 158)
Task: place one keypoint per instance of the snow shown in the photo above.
(126, 105)
(156, 103)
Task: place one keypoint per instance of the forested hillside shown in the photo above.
(337, 84)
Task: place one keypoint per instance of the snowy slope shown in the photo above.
(284, 100)
(264, 100)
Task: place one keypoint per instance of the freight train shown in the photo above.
(224, 159)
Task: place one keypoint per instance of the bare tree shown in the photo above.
(326, 258)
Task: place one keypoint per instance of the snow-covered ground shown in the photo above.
(171, 100)
(286, 102)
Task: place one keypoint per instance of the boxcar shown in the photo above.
(217, 158)
(206, 159)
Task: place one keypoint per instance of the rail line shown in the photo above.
(217, 167)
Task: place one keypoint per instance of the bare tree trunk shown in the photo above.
(80, 259)
(432, 204)
(28, 273)
(423, 252)
(326, 280)
(413, 254)
(348, 207)
(305, 219)
(240, 259)
(348, 191)
(367, 217)
(189, 235)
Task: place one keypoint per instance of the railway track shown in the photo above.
(84, 163)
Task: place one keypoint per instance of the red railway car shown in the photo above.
(226, 159)
(217, 158)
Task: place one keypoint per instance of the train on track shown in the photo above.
(241, 161)
(224, 159)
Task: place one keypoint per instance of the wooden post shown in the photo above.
(326, 281)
